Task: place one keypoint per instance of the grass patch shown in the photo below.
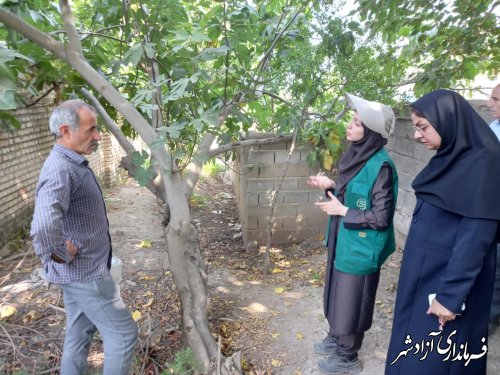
(211, 169)
(198, 201)
(184, 364)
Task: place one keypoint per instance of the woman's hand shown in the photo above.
(444, 315)
(332, 207)
(321, 182)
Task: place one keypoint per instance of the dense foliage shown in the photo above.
(283, 63)
(448, 42)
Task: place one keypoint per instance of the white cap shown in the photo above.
(374, 115)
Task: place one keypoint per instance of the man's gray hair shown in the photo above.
(66, 113)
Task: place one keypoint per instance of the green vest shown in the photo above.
(363, 251)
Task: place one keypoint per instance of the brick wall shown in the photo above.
(258, 170)
(21, 157)
(257, 175)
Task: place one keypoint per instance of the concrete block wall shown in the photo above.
(257, 176)
(410, 157)
(21, 157)
(259, 169)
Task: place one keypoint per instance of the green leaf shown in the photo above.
(181, 35)
(144, 172)
(7, 99)
(405, 31)
(134, 54)
(199, 37)
(470, 70)
(198, 124)
(144, 175)
(173, 131)
(8, 55)
(150, 50)
(7, 88)
(9, 122)
(213, 53)
(138, 158)
(178, 89)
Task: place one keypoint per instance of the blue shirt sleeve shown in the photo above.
(52, 202)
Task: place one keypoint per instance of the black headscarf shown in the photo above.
(464, 175)
(356, 157)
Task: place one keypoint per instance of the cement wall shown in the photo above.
(257, 175)
(259, 169)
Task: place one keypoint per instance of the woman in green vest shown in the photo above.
(360, 233)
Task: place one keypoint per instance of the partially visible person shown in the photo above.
(360, 234)
(446, 279)
(70, 234)
(494, 106)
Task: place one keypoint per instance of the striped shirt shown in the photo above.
(69, 206)
(495, 126)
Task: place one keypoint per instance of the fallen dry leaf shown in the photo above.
(145, 244)
(6, 311)
(279, 290)
(30, 316)
(299, 336)
(147, 304)
(136, 315)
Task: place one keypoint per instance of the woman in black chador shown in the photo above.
(446, 279)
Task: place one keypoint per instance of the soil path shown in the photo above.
(275, 328)
(273, 321)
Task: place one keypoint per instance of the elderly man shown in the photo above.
(494, 106)
(70, 234)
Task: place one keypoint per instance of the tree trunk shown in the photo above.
(190, 276)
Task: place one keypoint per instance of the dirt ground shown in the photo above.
(273, 321)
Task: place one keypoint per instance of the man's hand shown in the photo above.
(72, 251)
(321, 182)
(333, 207)
(444, 315)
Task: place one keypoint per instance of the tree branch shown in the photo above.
(340, 114)
(74, 43)
(160, 153)
(110, 124)
(272, 95)
(99, 32)
(154, 185)
(226, 62)
(12, 21)
(194, 168)
(54, 85)
(267, 55)
(78, 62)
(90, 33)
(249, 142)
